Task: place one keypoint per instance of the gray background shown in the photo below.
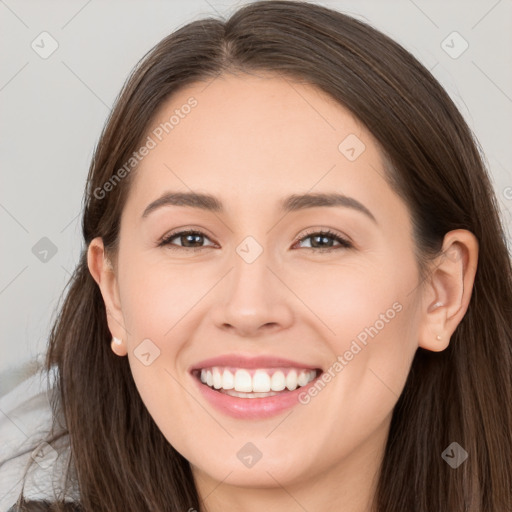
(54, 108)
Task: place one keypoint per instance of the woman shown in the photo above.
(337, 335)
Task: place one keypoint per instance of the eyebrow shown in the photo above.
(292, 203)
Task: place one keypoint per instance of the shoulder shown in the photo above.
(25, 422)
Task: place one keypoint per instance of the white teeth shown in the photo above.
(291, 380)
(243, 381)
(278, 382)
(228, 381)
(262, 381)
(217, 379)
(303, 378)
(230, 392)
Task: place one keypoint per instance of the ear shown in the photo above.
(104, 274)
(447, 290)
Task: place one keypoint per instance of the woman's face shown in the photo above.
(259, 280)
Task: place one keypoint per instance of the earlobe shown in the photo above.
(104, 274)
(117, 346)
(447, 291)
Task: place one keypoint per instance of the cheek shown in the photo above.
(370, 322)
(156, 297)
(367, 374)
(160, 305)
(348, 299)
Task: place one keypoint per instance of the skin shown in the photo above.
(251, 141)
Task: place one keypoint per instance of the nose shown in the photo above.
(252, 299)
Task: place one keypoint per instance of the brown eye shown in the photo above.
(188, 240)
(322, 241)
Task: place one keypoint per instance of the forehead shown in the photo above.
(270, 120)
(250, 137)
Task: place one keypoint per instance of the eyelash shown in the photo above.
(344, 244)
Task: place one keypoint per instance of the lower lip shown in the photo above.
(252, 408)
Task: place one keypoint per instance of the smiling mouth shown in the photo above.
(255, 383)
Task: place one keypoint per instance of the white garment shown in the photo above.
(25, 419)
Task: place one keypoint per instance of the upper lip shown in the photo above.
(242, 361)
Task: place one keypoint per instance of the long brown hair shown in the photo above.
(461, 394)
